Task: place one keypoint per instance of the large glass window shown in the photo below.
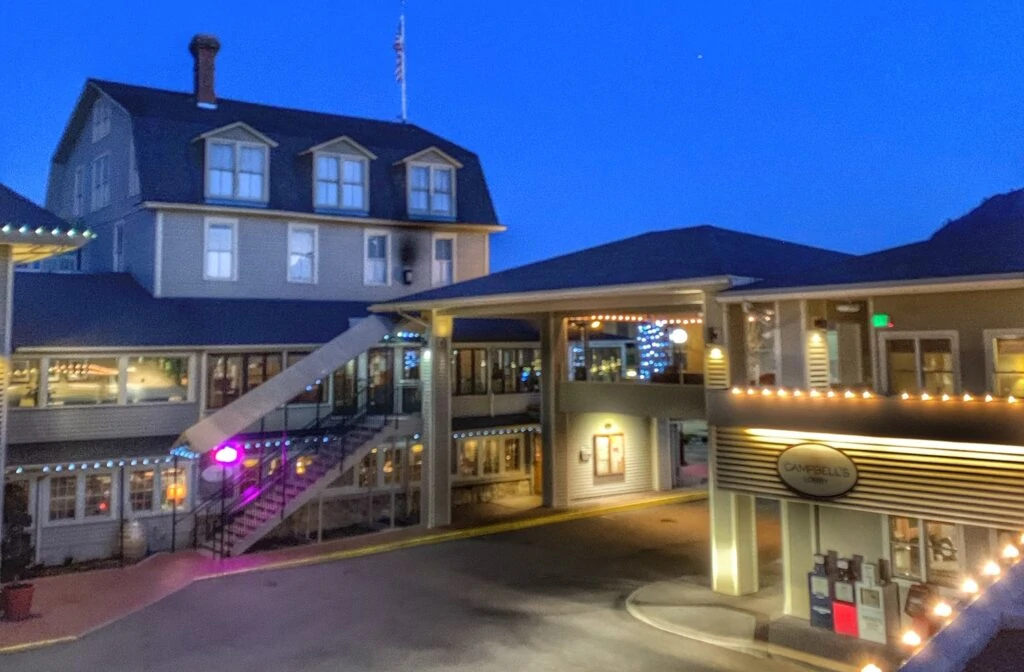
(368, 470)
(259, 368)
(392, 466)
(63, 497)
(515, 370)
(464, 463)
(97, 494)
(376, 262)
(315, 392)
(140, 490)
(470, 371)
(82, 382)
(444, 261)
(157, 379)
(231, 375)
(919, 365)
(513, 454)
(24, 387)
(761, 329)
(341, 182)
(491, 457)
(173, 488)
(219, 257)
(432, 190)
(236, 170)
(1009, 366)
(302, 244)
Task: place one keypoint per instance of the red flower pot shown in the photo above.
(17, 601)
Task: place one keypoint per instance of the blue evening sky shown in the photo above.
(854, 126)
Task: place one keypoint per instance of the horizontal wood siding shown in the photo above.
(98, 540)
(75, 423)
(639, 476)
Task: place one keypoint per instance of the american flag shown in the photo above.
(399, 47)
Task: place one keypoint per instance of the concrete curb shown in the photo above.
(748, 647)
(386, 547)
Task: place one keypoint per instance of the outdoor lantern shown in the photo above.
(226, 455)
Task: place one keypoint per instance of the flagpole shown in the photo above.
(401, 24)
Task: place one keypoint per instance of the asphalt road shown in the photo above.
(547, 598)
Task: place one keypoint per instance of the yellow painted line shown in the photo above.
(28, 646)
(467, 533)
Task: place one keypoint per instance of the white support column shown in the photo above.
(733, 536)
(799, 544)
(662, 454)
(7, 297)
(554, 362)
(435, 492)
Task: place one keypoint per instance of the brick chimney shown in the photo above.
(204, 50)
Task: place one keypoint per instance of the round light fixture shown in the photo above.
(226, 455)
(678, 336)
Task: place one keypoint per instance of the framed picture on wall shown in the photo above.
(609, 454)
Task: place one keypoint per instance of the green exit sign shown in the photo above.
(881, 321)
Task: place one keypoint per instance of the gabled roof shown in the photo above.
(987, 242)
(165, 123)
(675, 255)
(342, 139)
(110, 310)
(230, 127)
(431, 150)
(34, 232)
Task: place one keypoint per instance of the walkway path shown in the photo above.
(69, 606)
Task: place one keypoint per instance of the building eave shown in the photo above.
(868, 289)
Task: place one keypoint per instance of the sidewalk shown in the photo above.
(70, 606)
(753, 624)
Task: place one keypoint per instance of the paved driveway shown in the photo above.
(547, 598)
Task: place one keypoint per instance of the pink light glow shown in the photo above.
(226, 455)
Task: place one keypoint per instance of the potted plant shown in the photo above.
(17, 554)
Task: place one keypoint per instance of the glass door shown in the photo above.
(381, 390)
(346, 400)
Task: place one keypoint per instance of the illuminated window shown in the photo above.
(63, 497)
(368, 470)
(761, 331)
(231, 375)
(97, 494)
(416, 462)
(942, 561)
(491, 457)
(919, 365)
(173, 488)
(905, 547)
(465, 462)
(515, 371)
(470, 371)
(157, 379)
(1009, 366)
(392, 466)
(513, 454)
(82, 382)
(24, 386)
(140, 490)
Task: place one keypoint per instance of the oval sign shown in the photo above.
(817, 470)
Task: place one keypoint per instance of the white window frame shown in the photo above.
(341, 158)
(100, 197)
(883, 361)
(220, 221)
(431, 167)
(134, 186)
(78, 195)
(371, 233)
(315, 230)
(434, 261)
(236, 148)
(100, 119)
(990, 336)
(117, 246)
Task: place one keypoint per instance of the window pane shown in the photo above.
(225, 384)
(301, 244)
(760, 344)
(173, 488)
(905, 545)
(368, 470)
(416, 462)
(327, 193)
(441, 203)
(140, 489)
(353, 197)
(24, 386)
(1009, 366)
(418, 200)
(942, 559)
(420, 178)
(252, 159)
(222, 156)
(442, 181)
(250, 185)
(97, 494)
(937, 365)
(327, 168)
(492, 460)
(513, 454)
(219, 237)
(466, 457)
(901, 365)
(222, 183)
(392, 466)
(63, 497)
(260, 369)
(354, 172)
(376, 247)
(157, 379)
(82, 381)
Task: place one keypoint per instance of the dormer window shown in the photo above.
(236, 170)
(341, 182)
(100, 119)
(432, 190)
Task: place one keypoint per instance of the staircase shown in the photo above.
(229, 523)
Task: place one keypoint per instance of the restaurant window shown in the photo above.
(368, 470)
(97, 494)
(465, 457)
(942, 561)
(470, 371)
(416, 462)
(491, 457)
(63, 497)
(173, 488)
(260, 368)
(392, 466)
(225, 374)
(140, 490)
(918, 365)
(905, 547)
(515, 370)
(1009, 366)
(410, 364)
(82, 382)
(513, 454)
(23, 390)
(315, 392)
(157, 379)
(761, 336)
